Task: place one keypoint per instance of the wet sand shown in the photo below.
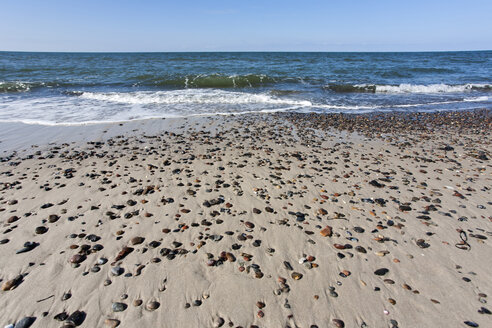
(279, 220)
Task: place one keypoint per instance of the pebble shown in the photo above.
(338, 323)
(249, 225)
(118, 307)
(53, 218)
(116, 271)
(40, 230)
(296, 275)
(76, 318)
(218, 322)
(25, 322)
(11, 284)
(152, 305)
(326, 232)
(381, 272)
(77, 258)
(137, 240)
(112, 323)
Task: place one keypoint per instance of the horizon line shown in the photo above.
(238, 51)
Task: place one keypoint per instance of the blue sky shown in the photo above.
(247, 25)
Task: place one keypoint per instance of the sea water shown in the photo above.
(81, 88)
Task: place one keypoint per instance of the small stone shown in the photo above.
(249, 225)
(116, 271)
(392, 301)
(112, 323)
(40, 230)
(11, 284)
(422, 244)
(326, 232)
(12, 219)
(381, 272)
(118, 307)
(468, 323)
(25, 322)
(137, 240)
(218, 322)
(361, 249)
(230, 257)
(296, 275)
(53, 218)
(137, 302)
(62, 316)
(76, 318)
(77, 258)
(260, 305)
(338, 323)
(153, 305)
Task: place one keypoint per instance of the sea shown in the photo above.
(91, 88)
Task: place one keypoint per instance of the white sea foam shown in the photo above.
(79, 108)
(190, 96)
(430, 88)
(476, 99)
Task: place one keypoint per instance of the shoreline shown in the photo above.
(22, 136)
(298, 220)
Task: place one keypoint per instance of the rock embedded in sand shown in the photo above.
(76, 318)
(152, 305)
(28, 246)
(296, 275)
(326, 232)
(53, 218)
(381, 272)
(112, 323)
(338, 323)
(77, 258)
(137, 240)
(40, 230)
(123, 253)
(25, 322)
(12, 219)
(118, 307)
(11, 284)
(249, 225)
(117, 270)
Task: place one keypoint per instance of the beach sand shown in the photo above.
(278, 220)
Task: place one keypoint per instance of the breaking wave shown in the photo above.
(407, 88)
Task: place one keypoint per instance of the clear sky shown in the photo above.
(246, 25)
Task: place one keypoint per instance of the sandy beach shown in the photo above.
(261, 220)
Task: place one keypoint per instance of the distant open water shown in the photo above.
(78, 88)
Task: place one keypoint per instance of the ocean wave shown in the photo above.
(190, 96)
(407, 88)
(24, 86)
(79, 107)
(18, 86)
(209, 81)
